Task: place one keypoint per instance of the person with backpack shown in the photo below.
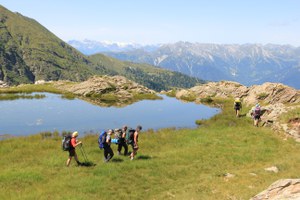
(104, 142)
(134, 143)
(237, 106)
(73, 144)
(120, 134)
(256, 113)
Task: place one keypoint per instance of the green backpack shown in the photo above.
(130, 136)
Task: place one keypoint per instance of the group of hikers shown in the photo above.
(123, 137)
(255, 112)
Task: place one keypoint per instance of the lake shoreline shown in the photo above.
(56, 113)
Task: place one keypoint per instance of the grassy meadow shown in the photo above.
(171, 164)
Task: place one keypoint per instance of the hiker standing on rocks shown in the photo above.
(73, 144)
(108, 152)
(237, 106)
(256, 113)
(134, 144)
(122, 142)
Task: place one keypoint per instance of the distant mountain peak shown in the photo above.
(89, 47)
(246, 63)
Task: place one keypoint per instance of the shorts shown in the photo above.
(72, 152)
(237, 108)
(257, 117)
(133, 147)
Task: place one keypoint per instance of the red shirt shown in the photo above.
(73, 142)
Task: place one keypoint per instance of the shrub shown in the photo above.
(190, 97)
(262, 96)
(171, 93)
(206, 100)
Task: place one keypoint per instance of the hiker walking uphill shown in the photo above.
(237, 106)
(104, 142)
(121, 134)
(72, 153)
(132, 139)
(256, 113)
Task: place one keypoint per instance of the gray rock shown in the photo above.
(287, 189)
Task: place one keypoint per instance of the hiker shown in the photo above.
(73, 144)
(121, 134)
(108, 152)
(237, 106)
(134, 143)
(256, 113)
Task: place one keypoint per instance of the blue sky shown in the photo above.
(167, 21)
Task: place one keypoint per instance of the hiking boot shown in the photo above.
(79, 163)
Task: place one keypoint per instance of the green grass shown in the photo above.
(292, 114)
(171, 164)
(29, 88)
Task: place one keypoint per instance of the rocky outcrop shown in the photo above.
(271, 93)
(223, 89)
(276, 99)
(118, 85)
(116, 90)
(288, 189)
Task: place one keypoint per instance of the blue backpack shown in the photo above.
(102, 139)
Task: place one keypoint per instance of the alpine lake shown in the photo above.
(22, 117)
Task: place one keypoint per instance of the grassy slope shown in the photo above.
(173, 164)
(29, 52)
(119, 65)
(152, 77)
(46, 55)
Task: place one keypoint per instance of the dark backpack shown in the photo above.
(102, 139)
(118, 133)
(257, 111)
(237, 104)
(66, 142)
(130, 136)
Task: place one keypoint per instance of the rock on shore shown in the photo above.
(288, 189)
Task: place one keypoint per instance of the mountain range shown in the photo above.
(90, 47)
(248, 64)
(29, 52)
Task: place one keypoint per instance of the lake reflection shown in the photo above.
(23, 117)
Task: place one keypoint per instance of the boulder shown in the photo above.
(287, 189)
(273, 169)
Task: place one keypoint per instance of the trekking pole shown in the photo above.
(83, 153)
